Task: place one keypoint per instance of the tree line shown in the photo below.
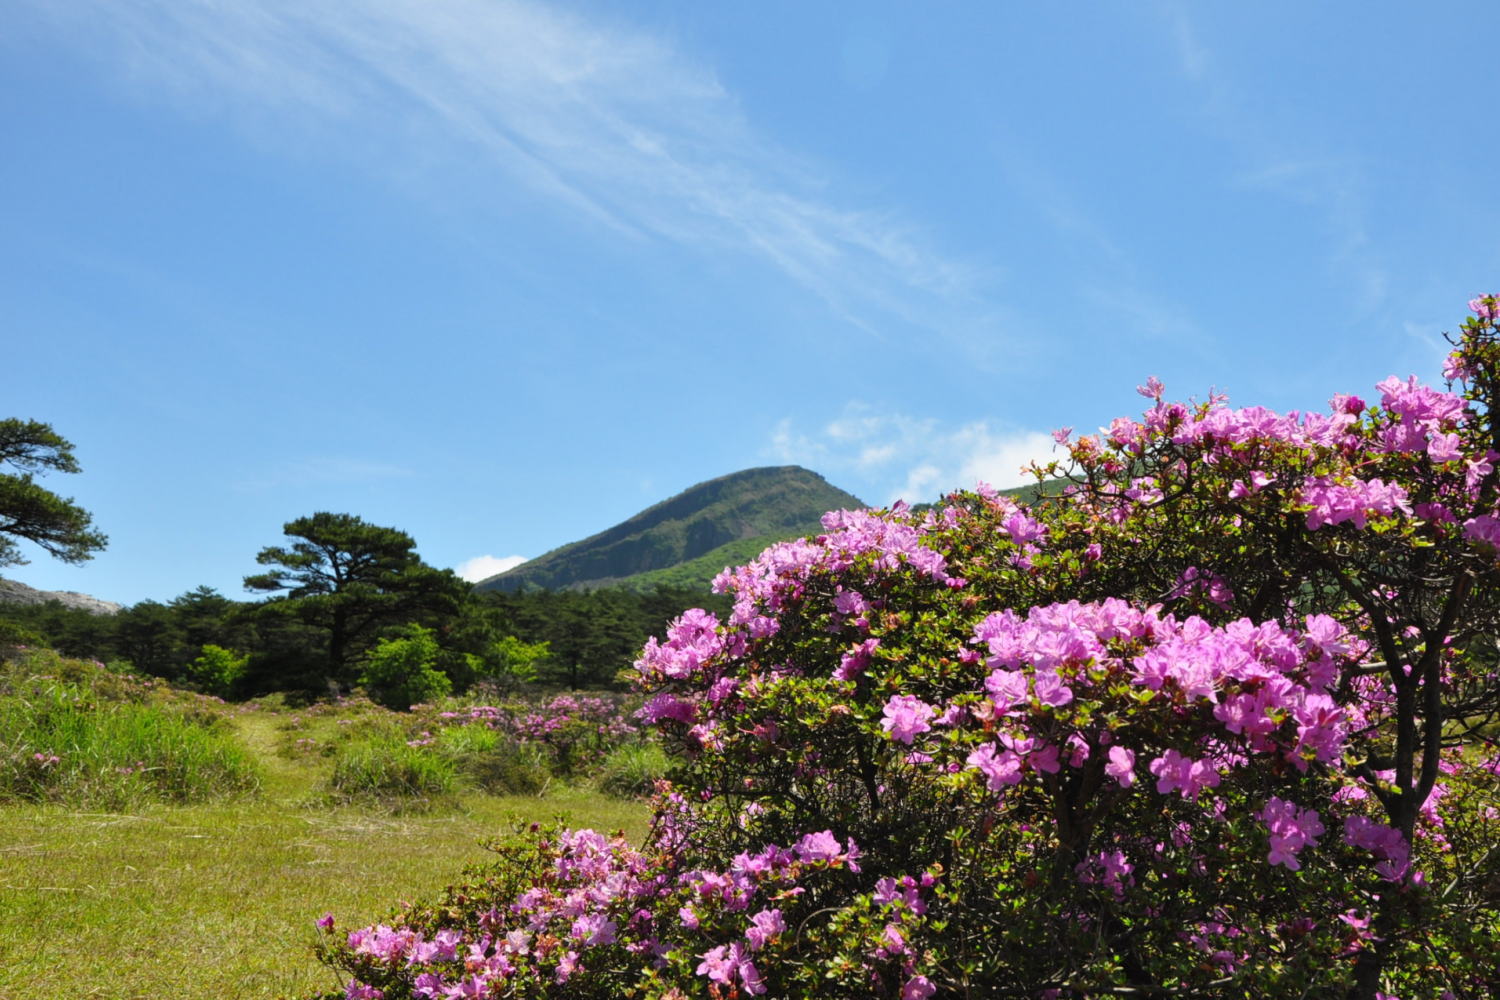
(336, 597)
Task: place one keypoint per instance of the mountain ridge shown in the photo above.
(770, 502)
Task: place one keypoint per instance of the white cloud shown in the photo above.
(484, 567)
(607, 120)
(999, 457)
(890, 456)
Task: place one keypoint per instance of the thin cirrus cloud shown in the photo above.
(1328, 182)
(322, 472)
(890, 456)
(608, 121)
(483, 567)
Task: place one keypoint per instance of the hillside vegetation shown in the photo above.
(754, 507)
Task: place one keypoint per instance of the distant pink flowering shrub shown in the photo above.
(575, 731)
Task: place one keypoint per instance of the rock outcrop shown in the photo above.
(12, 592)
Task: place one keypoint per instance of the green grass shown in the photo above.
(388, 772)
(631, 771)
(65, 744)
(77, 733)
(217, 899)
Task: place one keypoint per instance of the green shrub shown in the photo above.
(467, 741)
(631, 771)
(512, 663)
(388, 771)
(402, 672)
(216, 669)
(15, 639)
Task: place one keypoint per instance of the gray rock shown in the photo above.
(12, 592)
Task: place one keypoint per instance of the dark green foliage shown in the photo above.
(31, 513)
(70, 631)
(147, 636)
(591, 636)
(15, 637)
(594, 634)
(157, 639)
(779, 502)
(351, 580)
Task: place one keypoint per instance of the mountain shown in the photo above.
(12, 592)
(744, 511)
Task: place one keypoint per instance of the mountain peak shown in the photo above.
(771, 502)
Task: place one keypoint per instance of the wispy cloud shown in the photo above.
(1193, 58)
(607, 120)
(1328, 183)
(486, 566)
(896, 456)
(1331, 188)
(323, 472)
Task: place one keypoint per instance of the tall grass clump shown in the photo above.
(509, 769)
(387, 771)
(631, 771)
(493, 763)
(63, 741)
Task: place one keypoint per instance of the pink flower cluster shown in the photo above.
(693, 641)
(597, 902)
(1385, 842)
(882, 541)
(1263, 683)
(920, 683)
(1355, 501)
(1291, 830)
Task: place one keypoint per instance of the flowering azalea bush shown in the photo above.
(1218, 721)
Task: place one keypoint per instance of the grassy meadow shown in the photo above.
(180, 847)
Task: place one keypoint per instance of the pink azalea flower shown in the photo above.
(1189, 777)
(917, 988)
(819, 847)
(764, 928)
(1291, 830)
(906, 717)
(1121, 766)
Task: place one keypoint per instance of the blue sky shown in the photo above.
(500, 274)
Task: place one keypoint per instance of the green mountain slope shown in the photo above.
(740, 513)
(698, 574)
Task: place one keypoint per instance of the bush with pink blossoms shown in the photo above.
(1214, 723)
(573, 732)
